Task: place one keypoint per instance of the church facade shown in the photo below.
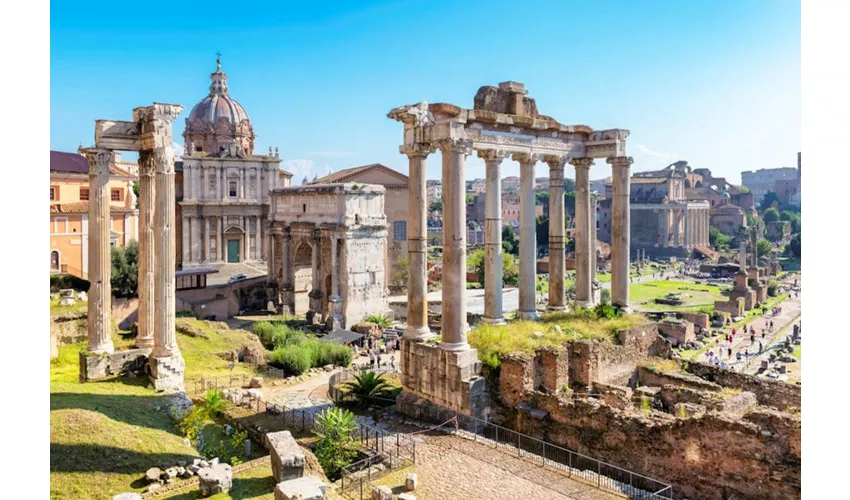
(225, 204)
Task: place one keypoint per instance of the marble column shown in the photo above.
(147, 260)
(335, 299)
(188, 192)
(219, 242)
(493, 276)
(259, 238)
(187, 258)
(454, 325)
(196, 239)
(316, 285)
(417, 243)
(99, 257)
(593, 240)
(165, 336)
(287, 297)
(687, 228)
(271, 256)
(620, 237)
(207, 239)
(583, 231)
(527, 237)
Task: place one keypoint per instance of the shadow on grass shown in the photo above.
(243, 488)
(130, 409)
(97, 458)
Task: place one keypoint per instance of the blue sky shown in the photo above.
(714, 83)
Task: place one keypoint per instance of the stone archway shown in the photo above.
(233, 245)
(302, 270)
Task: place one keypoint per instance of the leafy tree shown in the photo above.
(793, 218)
(570, 201)
(369, 385)
(435, 206)
(717, 238)
(751, 218)
(770, 199)
(337, 448)
(742, 189)
(510, 244)
(763, 247)
(401, 272)
(510, 270)
(771, 215)
(125, 270)
(469, 198)
(792, 249)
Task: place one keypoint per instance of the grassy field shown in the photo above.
(79, 307)
(518, 336)
(642, 295)
(104, 435)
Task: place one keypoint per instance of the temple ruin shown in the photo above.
(503, 123)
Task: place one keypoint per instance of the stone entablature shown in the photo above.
(328, 248)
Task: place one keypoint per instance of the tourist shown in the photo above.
(761, 348)
(738, 356)
(730, 352)
(379, 361)
(372, 360)
(752, 338)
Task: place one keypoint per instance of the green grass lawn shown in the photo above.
(104, 435)
(642, 295)
(79, 307)
(797, 352)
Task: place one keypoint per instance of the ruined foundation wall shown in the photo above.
(775, 393)
(600, 361)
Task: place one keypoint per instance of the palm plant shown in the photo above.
(378, 319)
(214, 403)
(369, 385)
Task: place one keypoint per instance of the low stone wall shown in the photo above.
(698, 319)
(600, 361)
(98, 366)
(679, 332)
(712, 457)
(733, 307)
(652, 377)
(69, 330)
(777, 394)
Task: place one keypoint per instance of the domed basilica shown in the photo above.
(225, 186)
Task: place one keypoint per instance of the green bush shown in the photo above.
(65, 281)
(606, 295)
(605, 311)
(337, 447)
(378, 319)
(293, 360)
(184, 313)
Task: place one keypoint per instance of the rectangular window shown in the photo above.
(231, 189)
(115, 195)
(84, 194)
(400, 230)
(373, 278)
(53, 193)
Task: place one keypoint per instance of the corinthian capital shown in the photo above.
(555, 162)
(492, 155)
(98, 159)
(163, 160)
(459, 146)
(620, 161)
(581, 162)
(416, 149)
(526, 157)
(147, 163)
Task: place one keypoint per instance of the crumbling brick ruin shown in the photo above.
(712, 433)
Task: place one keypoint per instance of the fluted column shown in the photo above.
(527, 237)
(207, 239)
(147, 254)
(100, 263)
(493, 277)
(620, 234)
(417, 243)
(584, 287)
(593, 263)
(687, 228)
(454, 325)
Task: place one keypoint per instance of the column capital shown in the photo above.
(461, 146)
(147, 163)
(620, 161)
(581, 162)
(158, 111)
(98, 159)
(555, 162)
(525, 158)
(417, 149)
(492, 155)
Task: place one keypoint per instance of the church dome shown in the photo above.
(218, 124)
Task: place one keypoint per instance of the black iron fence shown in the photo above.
(336, 394)
(387, 453)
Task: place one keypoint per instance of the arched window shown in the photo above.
(54, 259)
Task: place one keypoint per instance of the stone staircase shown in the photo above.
(167, 373)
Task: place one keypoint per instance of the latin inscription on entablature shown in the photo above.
(534, 142)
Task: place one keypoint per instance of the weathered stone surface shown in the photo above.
(215, 479)
(287, 457)
(680, 332)
(406, 496)
(153, 474)
(98, 366)
(411, 480)
(127, 496)
(382, 493)
(256, 382)
(178, 405)
(302, 488)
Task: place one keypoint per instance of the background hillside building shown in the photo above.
(765, 179)
(221, 217)
(69, 208)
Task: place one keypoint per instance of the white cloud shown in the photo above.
(331, 154)
(178, 149)
(300, 168)
(655, 154)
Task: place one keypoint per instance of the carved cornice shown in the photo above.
(581, 162)
(457, 146)
(492, 155)
(416, 149)
(620, 161)
(98, 159)
(158, 111)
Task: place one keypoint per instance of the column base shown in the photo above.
(623, 309)
(528, 315)
(587, 304)
(166, 373)
(144, 343)
(418, 333)
(493, 321)
(556, 308)
(455, 346)
(107, 348)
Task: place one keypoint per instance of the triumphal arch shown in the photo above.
(502, 124)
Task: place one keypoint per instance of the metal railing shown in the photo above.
(387, 454)
(574, 465)
(336, 394)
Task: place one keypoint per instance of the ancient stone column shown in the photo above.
(220, 240)
(147, 259)
(620, 237)
(187, 249)
(187, 183)
(259, 249)
(195, 237)
(665, 227)
(583, 232)
(207, 239)
(454, 325)
(527, 237)
(100, 262)
(315, 292)
(493, 277)
(417, 243)
(687, 228)
(593, 262)
(335, 319)
(285, 287)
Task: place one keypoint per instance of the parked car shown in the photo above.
(238, 277)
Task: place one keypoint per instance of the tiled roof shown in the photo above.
(347, 173)
(82, 207)
(75, 163)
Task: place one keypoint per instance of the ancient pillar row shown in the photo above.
(454, 325)
(417, 243)
(527, 237)
(147, 254)
(493, 275)
(100, 263)
(620, 237)
(583, 231)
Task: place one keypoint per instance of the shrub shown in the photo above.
(369, 385)
(772, 288)
(606, 295)
(605, 311)
(293, 360)
(337, 448)
(264, 331)
(65, 281)
(378, 319)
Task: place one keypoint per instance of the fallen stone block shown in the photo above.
(127, 496)
(286, 456)
(215, 479)
(302, 488)
(382, 493)
(256, 382)
(411, 481)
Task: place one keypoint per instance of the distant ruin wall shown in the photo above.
(775, 393)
